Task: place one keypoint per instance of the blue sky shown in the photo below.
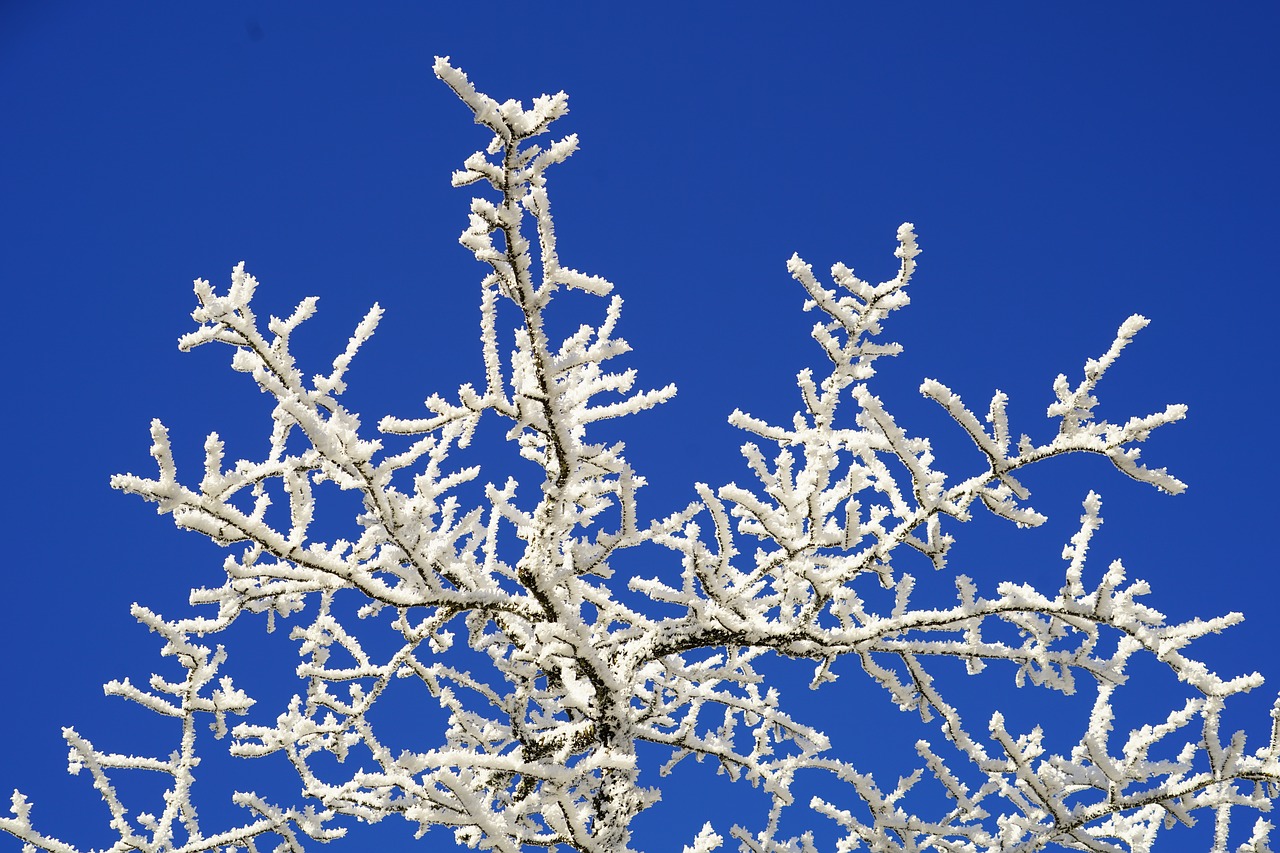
(1065, 167)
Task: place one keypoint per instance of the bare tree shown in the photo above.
(572, 666)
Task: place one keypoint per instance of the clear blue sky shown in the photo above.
(1065, 165)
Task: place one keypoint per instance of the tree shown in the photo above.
(569, 667)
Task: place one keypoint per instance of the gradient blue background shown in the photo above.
(1065, 167)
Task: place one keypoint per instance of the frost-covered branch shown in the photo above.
(567, 666)
(176, 828)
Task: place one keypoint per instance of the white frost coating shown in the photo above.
(811, 559)
(706, 841)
